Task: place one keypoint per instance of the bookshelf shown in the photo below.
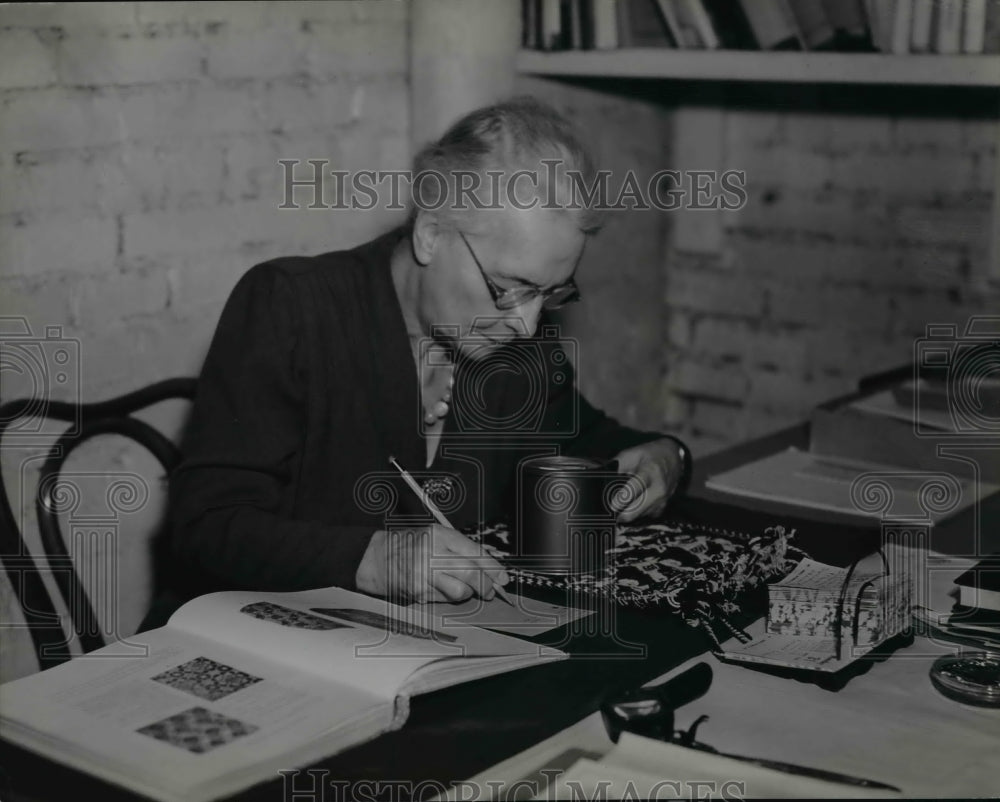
(755, 65)
(810, 67)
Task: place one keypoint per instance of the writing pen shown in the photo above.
(432, 508)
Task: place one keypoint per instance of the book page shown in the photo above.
(191, 714)
(332, 632)
(525, 617)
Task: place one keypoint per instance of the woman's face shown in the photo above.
(515, 248)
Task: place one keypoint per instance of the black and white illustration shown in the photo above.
(378, 621)
(287, 617)
(206, 679)
(198, 730)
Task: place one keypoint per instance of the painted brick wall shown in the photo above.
(139, 178)
(868, 217)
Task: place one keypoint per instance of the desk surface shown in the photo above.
(887, 724)
(462, 731)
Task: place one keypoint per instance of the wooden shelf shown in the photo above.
(753, 65)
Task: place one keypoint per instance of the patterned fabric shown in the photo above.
(695, 570)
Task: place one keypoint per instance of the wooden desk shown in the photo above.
(457, 732)
(450, 734)
(830, 537)
(886, 724)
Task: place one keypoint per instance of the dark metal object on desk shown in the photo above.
(565, 519)
(650, 711)
(972, 678)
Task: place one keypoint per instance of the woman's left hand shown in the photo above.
(656, 469)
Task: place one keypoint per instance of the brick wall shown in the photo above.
(868, 217)
(139, 178)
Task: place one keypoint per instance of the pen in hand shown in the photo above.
(432, 508)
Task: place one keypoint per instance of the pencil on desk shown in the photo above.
(439, 516)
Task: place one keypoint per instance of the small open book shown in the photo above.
(240, 685)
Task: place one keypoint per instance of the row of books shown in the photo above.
(892, 26)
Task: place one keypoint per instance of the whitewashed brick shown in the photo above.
(260, 54)
(192, 231)
(106, 299)
(829, 307)
(980, 135)
(937, 134)
(809, 131)
(379, 50)
(84, 245)
(251, 169)
(150, 177)
(719, 293)
(863, 132)
(178, 112)
(234, 16)
(107, 17)
(305, 105)
(92, 61)
(43, 302)
(55, 118)
(205, 281)
(27, 62)
(394, 11)
(64, 186)
(727, 382)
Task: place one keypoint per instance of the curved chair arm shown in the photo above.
(112, 416)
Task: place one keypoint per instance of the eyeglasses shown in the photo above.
(511, 297)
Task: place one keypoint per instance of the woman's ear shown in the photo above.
(426, 232)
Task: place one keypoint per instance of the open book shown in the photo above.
(240, 685)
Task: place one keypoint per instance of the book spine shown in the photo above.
(902, 25)
(605, 14)
(948, 36)
(771, 27)
(551, 25)
(812, 21)
(623, 23)
(671, 19)
(847, 16)
(991, 38)
(698, 16)
(920, 32)
(974, 26)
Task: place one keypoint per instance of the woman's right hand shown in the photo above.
(427, 564)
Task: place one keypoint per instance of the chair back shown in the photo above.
(114, 416)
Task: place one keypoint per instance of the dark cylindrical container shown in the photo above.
(564, 522)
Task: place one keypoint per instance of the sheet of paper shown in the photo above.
(804, 479)
(525, 617)
(885, 403)
(812, 575)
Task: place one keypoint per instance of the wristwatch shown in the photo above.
(687, 465)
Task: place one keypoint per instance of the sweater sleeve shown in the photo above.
(231, 496)
(583, 429)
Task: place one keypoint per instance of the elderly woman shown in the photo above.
(424, 345)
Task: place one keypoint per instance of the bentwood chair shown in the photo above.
(114, 416)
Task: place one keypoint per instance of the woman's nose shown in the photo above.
(523, 319)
